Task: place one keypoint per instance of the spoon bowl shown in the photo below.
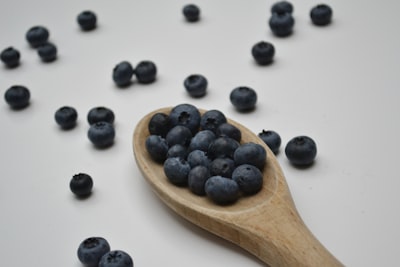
(266, 224)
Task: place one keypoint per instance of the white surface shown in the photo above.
(338, 84)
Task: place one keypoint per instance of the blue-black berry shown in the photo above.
(177, 170)
(301, 150)
(159, 124)
(321, 14)
(116, 258)
(222, 190)
(37, 36)
(249, 178)
(157, 147)
(179, 135)
(282, 6)
(281, 23)
(122, 73)
(197, 178)
(243, 98)
(212, 119)
(196, 85)
(81, 184)
(186, 115)
(47, 52)
(10, 57)
(250, 153)
(98, 114)
(101, 134)
(66, 117)
(87, 20)
(272, 139)
(191, 12)
(263, 52)
(146, 72)
(91, 250)
(17, 96)
(229, 130)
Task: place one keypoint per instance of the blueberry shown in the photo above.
(196, 85)
(191, 12)
(17, 96)
(66, 117)
(186, 115)
(222, 147)
(263, 52)
(122, 73)
(249, 178)
(202, 140)
(282, 6)
(211, 119)
(197, 178)
(281, 23)
(87, 20)
(157, 147)
(243, 98)
(91, 250)
(198, 158)
(222, 190)
(116, 258)
(47, 52)
(229, 130)
(159, 124)
(177, 170)
(146, 72)
(177, 151)
(250, 153)
(37, 36)
(222, 167)
(301, 150)
(10, 57)
(179, 135)
(98, 114)
(272, 139)
(321, 14)
(101, 134)
(81, 184)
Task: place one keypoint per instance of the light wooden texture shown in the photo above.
(266, 224)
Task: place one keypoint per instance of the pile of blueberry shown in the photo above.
(205, 153)
(96, 251)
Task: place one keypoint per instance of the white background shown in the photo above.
(337, 84)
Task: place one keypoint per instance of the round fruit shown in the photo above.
(81, 184)
(301, 150)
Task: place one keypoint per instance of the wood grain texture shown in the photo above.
(266, 224)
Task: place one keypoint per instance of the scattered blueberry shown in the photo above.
(249, 178)
(179, 135)
(81, 184)
(122, 73)
(66, 117)
(243, 98)
(263, 52)
(272, 139)
(91, 250)
(177, 151)
(146, 72)
(101, 134)
(301, 150)
(250, 153)
(196, 85)
(10, 57)
(177, 170)
(222, 190)
(222, 167)
(282, 6)
(157, 147)
(321, 14)
(159, 124)
(87, 20)
(37, 36)
(186, 115)
(191, 12)
(211, 119)
(229, 130)
(198, 158)
(47, 52)
(17, 96)
(197, 178)
(281, 23)
(202, 140)
(116, 258)
(222, 147)
(98, 114)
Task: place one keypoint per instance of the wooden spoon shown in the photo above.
(266, 224)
